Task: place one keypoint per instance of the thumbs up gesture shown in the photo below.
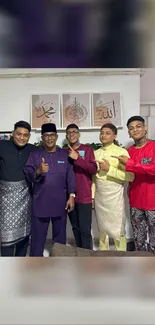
(44, 168)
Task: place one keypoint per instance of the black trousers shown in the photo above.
(81, 221)
(19, 249)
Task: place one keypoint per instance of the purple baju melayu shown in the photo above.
(50, 194)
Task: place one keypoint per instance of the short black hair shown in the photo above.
(72, 126)
(22, 124)
(135, 118)
(110, 126)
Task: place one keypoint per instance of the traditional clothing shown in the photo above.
(108, 193)
(15, 209)
(142, 195)
(81, 217)
(50, 193)
(15, 193)
(84, 167)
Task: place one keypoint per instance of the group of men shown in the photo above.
(43, 185)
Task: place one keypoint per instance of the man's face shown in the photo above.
(21, 136)
(50, 139)
(72, 135)
(137, 130)
(107, 136)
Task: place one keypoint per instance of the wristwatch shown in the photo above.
(72, 194)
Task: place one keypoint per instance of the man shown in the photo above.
(83, 160)
(108, 190)
(53, 190)
(142, 190)
(15, 192)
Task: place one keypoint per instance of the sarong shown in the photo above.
(110, 208)
(15, 211)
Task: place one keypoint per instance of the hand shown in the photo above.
(72, 153)
(93, 204)
(70, 204)
(122, 159)
(44, 168)
(104, 165)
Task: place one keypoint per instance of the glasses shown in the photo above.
(72, 132)
(52, 136)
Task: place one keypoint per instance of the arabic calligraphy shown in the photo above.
(106, 110)
(76, 112)
(44, 111)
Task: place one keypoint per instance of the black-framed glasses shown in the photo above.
(72, 132)
(51, 135)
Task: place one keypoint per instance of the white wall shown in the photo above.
(147, 99)
(15, 97)
(147, 86)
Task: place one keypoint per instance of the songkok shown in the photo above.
(48, 127)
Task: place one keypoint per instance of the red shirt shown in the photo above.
(142, 164)
(84, 167)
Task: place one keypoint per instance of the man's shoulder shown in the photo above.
(151, 142)
(130, 148)
(62, 151)
(85, 147)
(5, 143)
(32, 147)
(97, 151)
(121, 150)
(35, 151)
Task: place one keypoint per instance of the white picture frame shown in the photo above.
(107, 108)
(76, 108)
(45, 108)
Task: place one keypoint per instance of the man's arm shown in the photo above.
(120, 174)
(88, 164)
(93, 187)
(71, 182)
(31, 170)
(71, 187)
(138, 168)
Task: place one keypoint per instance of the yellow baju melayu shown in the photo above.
(108, 194)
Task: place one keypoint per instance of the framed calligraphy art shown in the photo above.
(76, 108)
(106, 108)
(45, 108)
